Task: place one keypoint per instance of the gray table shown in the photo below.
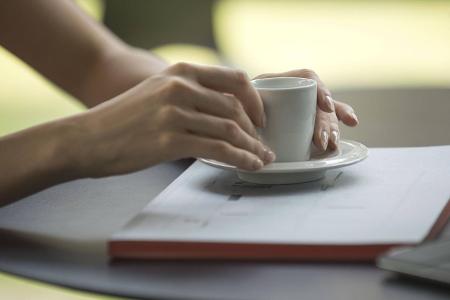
(59, 236)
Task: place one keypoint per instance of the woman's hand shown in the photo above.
(329, 111)
(185, 111)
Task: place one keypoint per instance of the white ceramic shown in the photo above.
(290, 107)
(349, 152)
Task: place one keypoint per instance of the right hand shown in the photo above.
(185, 111)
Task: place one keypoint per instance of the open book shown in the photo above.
(398, 196)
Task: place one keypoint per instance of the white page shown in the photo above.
(394, 196)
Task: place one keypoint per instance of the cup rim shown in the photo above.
(311, 83)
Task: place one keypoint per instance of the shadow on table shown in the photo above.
(227, 183)
(19, 244)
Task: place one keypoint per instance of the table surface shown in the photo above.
(59, 236)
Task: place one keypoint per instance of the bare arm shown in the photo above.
(35, 158)
(82, 57)
(183, 111)
(72, 50)
(179, 113)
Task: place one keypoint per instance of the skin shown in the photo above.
(142, 111)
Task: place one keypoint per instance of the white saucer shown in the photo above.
(349, 152)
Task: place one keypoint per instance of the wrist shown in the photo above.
(39, 157)
(70, 148)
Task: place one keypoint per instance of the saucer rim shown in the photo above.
(358, 153)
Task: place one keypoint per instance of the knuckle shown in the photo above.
(232, 129)
(235, 108)
(222, 148)
(176, 84)
(309, 73)
(171, 114)
(167, 139)
(177, 87)
(181, 68)
(324, 90)
(327, 92)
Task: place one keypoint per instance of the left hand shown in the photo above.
(329, 111)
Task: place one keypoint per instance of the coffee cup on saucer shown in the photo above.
(290, 108)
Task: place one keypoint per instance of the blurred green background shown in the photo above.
(350, 44)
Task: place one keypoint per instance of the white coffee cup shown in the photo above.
(290, 108)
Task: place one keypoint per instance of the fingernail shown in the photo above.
(329, 103)
(324, 139)
(335, 137)
(269, 156)
(354, 117)
(257, 164)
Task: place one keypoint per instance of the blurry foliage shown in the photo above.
(349, 43)
(16, 288)
(95, 8)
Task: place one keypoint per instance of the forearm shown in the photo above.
(75, 52)
(36, 158)
(115, 72)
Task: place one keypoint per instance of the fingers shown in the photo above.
(181, 92)
(333, 141)
(326, 131)
(205, 147)
(225, 106)
(324, 99)
(223, 129)
(321, 130)
(345, 113)
(229, 81)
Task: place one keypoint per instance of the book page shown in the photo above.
(394, 196)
